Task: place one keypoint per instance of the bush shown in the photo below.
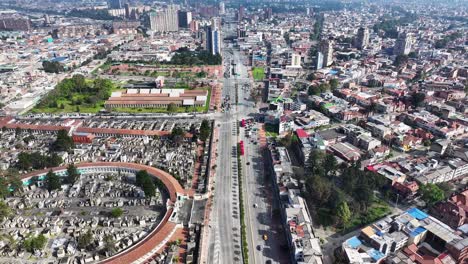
(116, 212)
(34, 243)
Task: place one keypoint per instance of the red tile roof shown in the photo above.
(301, 133)
(126, 132)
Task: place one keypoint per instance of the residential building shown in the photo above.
(15, 23)
(213, 40)
(362, 38)
(402, 44)
(319, 61)
(184, 17)
(115, 4)
(326, 48)
(414, 234)
(295, 60)
(164, 20)
(222, 8)
(241, 13)
(454, 211)
(459, 249)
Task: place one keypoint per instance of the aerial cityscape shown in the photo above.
(234, 131)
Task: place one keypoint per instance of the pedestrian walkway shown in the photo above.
(196, 172)
(204, 239)
(262, 140)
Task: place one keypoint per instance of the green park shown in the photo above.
(77, 94)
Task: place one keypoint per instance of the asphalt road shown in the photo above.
(224, 235)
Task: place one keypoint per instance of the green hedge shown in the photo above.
(245, 249)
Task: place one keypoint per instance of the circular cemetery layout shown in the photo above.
(104, 216)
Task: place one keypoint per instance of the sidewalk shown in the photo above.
(194, 185)
(205, 233)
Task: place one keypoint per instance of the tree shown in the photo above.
(177, 134)
(72, 174)
(63, 142)
(4, 190)
(15, 183)
(5, 210)
(324, 87)
(109, 244)
(34, 243)
(18, 131)
(313, 90)
(447, 188)
(140, 176)
(320, 189)
(171, 108)
(344, 214)
(310, 77)
(417, 99)
(431, 193)
(52, 67)
(148, 187)
(329, 164)
(116, 212)
(400, 60)
(52, 181)
(364, 195)
(97, 14)
(53, 160)
(85, 239)
(413, 55)
(146, 182)
(334, 83)
(205, 130)
(24, 161)
(314, 160)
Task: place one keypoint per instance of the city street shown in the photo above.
(224, 235)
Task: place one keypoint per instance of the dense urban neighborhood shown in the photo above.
(191, 131)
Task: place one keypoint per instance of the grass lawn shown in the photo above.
(376, 211)
(69, 105)
(258, 73)
(271, 130)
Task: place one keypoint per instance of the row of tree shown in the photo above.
(187, 57)
(53, 66)
(36, 160)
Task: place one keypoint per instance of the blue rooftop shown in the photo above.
(417, 231)
(354, 242)
(59, 59)
(418, 214)
(375, 254)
